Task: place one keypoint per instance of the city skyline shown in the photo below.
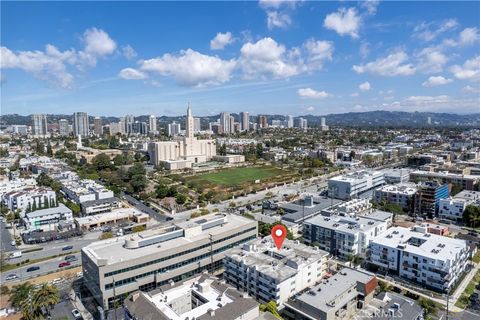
(259, 57)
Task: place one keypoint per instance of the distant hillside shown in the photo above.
(355, 119)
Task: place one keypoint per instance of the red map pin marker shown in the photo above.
(279, 233)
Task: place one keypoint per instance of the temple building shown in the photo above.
(183, 151)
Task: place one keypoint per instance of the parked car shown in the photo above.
(34, 268)
(13, 243)
(63, 264)
(76, 314)
(11, 276)
(66, 248)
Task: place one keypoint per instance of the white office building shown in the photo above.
(225, 122)
(152, 124)
(63, 127)
(352, 184)
(147, 260)
(244, 121)
(434, 261)
(197, 125)
(173, 129)
(268, 274)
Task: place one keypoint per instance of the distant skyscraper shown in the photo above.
(129, 119)
(236, 127)
(231, 125)
(429, 120)
(323, 124)
(152, 124)
(289, 121)
(63, 128)
(137, 127)
(301, 123)
(197, 125)
(262, 121)
(97, 126)
(173, 129)
(244, 121)
(225, 122)
(39, 124)
(80, 124)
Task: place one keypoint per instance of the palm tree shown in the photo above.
(20, 293)
(29, 312)
(45, 298)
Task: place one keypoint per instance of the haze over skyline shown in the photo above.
(274, 57)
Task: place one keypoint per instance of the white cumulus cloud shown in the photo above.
(469, 36)
(436, 81)
(309, 93)
(364, 86)
(344, 22)
(221, 40)
(191, 68)
(430, 31)
(128, 52)
(276, 19)
(395, 64)
(470, 70)
(132, 74)
(431, 60)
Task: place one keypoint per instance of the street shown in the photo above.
(5, 238)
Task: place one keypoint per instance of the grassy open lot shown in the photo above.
(237, 176)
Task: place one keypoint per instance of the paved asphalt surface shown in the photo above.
(45, 268)
(5, 238)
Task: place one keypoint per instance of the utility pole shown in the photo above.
(448, 301)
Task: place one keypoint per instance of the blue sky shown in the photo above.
(295, 57)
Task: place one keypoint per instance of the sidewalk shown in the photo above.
(79, 305)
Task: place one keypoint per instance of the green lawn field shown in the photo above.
(238, 176)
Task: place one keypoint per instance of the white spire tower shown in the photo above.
(189, 126)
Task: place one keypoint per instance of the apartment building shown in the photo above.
(85, 190)
(30, 199)
(352, 184)
(268, 274)
(434, 261)
(428, 197)
(343, 236)
(143, 261)
(400, 194)
(452, 208)
(48, 219)
(341, 296)
(202, 297)
(397, 175)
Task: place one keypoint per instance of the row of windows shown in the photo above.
(177, 265)
(112, 273)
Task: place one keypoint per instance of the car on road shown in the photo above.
(63, 264)
(34, 268)
(76, 314)
(67, 248)
(11, 276)
(70, 258)
(13, 243)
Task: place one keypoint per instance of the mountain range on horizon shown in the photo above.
(378, 118)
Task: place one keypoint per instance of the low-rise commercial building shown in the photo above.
(100, 206)
(393, 176)
(341, 296)
(352, 184)
(149, 259)
(466, 182)
(48, 219)
(202, 297)
(434, 261)
(124, 215)
(269, 274)
(230, 158)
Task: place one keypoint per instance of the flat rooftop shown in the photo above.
(431, 245)
(295, 210)
(162, 240)
(354, 177)
(322, 295)
(61, 208)
(345, 224)
(263, 255)
(121, 213)
(402, 188)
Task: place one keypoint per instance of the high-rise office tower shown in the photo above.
(39, 124)
(197, 125)
(80, 124)
(138, 127)
(152, 124)
(429, 120)
(323, 124)
(173, 129)
(262, 121)
(129, 119)
(97, 126)
(225, 122)
(300, 123)
(232, 125)
(289, 121)
(244, 121)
